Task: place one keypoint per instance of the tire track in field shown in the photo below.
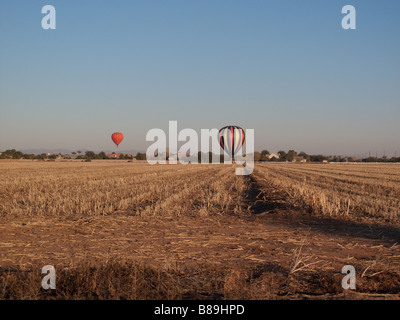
(318, 247)
(276, 250)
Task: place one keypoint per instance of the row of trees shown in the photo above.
(88, 155)
(292, 155)
(383, 159)
(264, 155)
(284, 156)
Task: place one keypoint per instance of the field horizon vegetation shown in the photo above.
(263, 156)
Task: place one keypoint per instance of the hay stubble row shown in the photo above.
(201, 229)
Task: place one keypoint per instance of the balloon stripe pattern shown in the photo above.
(231, 139)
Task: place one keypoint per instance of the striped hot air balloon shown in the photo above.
(231, 139)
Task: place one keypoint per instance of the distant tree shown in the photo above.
(29, 156)
(90, 155)
(290, 156)
(257, 156)
(264, 155)
(18, 155)
(318, 158)
(371, 159)
(12, 154)
(102, 155)
(282, 155)
(304, 155)
(265, 152)
(8, 154)
(140, 156)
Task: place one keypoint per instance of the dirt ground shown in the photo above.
(286, 254)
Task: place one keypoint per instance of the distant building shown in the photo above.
(273, 155)
(350, 159)
(118, 155)
(299, 159)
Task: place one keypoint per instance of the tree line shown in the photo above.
(88, 155)
(263, 156)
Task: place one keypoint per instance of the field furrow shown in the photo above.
(363, 191)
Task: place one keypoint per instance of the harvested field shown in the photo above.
(119, 230)
(363, 191)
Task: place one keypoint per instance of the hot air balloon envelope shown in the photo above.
(231, 139)
(117, 137)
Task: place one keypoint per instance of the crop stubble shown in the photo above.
(198, 231)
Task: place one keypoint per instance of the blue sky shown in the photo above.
(284, 68)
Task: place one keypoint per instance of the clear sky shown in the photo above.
(284, 68)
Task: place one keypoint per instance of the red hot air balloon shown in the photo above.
(231, 139)
(117, 137)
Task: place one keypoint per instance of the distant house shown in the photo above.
(61, 156)
(299, 159)
(273, 155)
(118, 155)
(113, 155)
